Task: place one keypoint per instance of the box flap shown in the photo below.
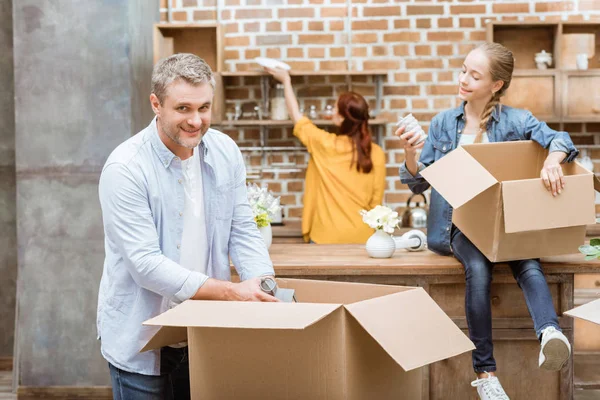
(589, 311)
(411, 328)
(448, 176)
(596, 183)
(245, 315)
(165, 336)
(528, 206)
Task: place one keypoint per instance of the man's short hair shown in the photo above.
(186, 66)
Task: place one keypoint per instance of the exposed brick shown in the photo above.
(337, 52)
(421, 104)
(445, 36)
(510, 8)
(294, 25)
(369, 25)
(423, 50)
(466, 48)
(398, 103)
(316, 52)
(401, 23)
(252, 13)
(331, 12)
(209, 3)
(274, 52)
(164, 16)
(401, 50)
(383, 64)
(315, 91)
(441, 103)
(402, 90)
(315, 39)
(392, 143)
(364, 38)
(424, 77)
(445, 50)
(252, 27)
(359, 51)
(589, 5)
(179, 16)
(456, 62)
(232, 54)
(555, 6)
(237, 41)
(402, 37)
(420, 63)
(381, 11)
(424, 10)
(226, 15)
(316, 26)
(468, 9)
(467, 22)
(297, 186)
(379, 50)
(202, 15)
(302, 12)
(231, 27)
(232, 2)
(401, 77)
(302, 65)
(445, 76)
(442, 90)
(445, 22)
(295, 52)
(477, 36)
(273, 26)
(295, 212)
(189, 3)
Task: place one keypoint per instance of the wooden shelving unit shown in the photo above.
(560, 93)
(289, 123)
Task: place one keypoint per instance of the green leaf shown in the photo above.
(595, 242)
(588, 250)
(592, 257)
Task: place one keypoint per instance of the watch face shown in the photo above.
(268, 285)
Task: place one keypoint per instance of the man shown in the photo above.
(174, 207)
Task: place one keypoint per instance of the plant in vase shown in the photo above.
(384, 220)
(264, 207)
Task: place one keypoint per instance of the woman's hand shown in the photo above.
(552, 173)
(410, 152)
(280, 74)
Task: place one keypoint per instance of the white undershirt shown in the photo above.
(194, 246)
(469, 139)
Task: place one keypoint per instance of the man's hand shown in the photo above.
(248, 291)
(552, 173)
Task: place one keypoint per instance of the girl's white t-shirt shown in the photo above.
(469, 139)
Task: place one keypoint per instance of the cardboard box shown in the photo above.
(501, 204)
(589, 312)
(340, 341)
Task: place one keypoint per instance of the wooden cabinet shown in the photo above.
(561, 93)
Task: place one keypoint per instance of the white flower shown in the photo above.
(381, 218)
(264, 205)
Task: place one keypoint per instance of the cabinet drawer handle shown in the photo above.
(495, 300)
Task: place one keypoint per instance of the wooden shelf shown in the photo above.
(289, 123)
(259, 72)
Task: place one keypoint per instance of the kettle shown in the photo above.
(415, 217)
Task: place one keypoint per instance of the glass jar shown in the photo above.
(278, 107)
(312, 114)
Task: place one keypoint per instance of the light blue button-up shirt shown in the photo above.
(142, 199)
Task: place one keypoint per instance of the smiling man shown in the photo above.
(175, 210)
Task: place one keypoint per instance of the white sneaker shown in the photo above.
(489, 388)
(555, 351)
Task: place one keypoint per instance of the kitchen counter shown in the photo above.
(516, 346)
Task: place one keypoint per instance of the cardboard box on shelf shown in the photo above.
(589, 312)
(501, 204)
(339, 341)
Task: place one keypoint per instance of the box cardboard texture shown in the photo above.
(501, 204)
(340, 341)
(589, 312)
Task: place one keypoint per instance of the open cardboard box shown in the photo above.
(339, 341)
(501, 204)
(589, 312)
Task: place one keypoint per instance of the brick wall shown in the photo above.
(421, 43)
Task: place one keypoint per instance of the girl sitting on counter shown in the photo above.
(486, 75)
(346, 171)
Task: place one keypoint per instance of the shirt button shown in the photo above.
(448, 228)
(179, 180)
(180, 213)
(178, 246)
(459, 131)
(444, 148)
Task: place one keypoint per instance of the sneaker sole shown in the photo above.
(556, 353)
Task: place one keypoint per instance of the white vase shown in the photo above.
(267, 235)
(381, 245)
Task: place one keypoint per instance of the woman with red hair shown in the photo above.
(346, 171)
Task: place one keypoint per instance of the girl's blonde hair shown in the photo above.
(502, 64)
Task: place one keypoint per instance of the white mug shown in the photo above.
(582, 61)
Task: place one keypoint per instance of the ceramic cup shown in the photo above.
(411, 124)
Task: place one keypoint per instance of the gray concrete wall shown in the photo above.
(74, 86)
(8, 224)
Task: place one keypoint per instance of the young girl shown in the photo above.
(346, 171)
(485, 77)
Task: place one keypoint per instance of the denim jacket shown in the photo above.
(506, 124)
(142, 196)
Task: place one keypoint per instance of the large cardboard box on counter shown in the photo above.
(501, 204)
(589, 312)
(339, 341)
